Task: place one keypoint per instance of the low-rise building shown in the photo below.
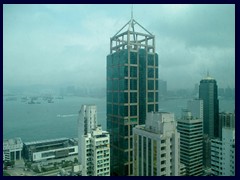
(50, 149)
(12, 149)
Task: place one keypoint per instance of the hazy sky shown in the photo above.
(68, 44)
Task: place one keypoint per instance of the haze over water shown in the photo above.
(59, 119)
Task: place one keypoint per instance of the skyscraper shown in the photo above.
(208, 92)
(132, 90)
(156, 146)
(191, 143)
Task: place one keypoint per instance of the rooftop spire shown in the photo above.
(132, 12)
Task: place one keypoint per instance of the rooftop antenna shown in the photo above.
(132, 12)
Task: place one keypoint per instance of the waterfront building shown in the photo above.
(191, 143)
(156, 146)
(132, 90)
(87, 121)
(12, 149)
(50, 149)
(96, 153)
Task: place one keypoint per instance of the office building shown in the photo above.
(191, 143)
(12, 149)
(87, 121)
(132, 90)
(96, 153)
(208, 93)
(156, 146)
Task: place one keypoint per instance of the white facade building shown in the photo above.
(87, 121)
(223, 153)
(191, 143)
(50, 149)
(12, 149)
(96, 153)
(156, 146)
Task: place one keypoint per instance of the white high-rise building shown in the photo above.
(195, 106)
(87, 121)
(191, 143)
(96, 153)
(223, 153)
(156, 146)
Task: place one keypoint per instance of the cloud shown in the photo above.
(57, 44)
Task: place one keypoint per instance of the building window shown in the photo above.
(133, 97)
(133, 110)
(133, 84)
(150, 96)
(150, 84)
(150, 60)
(133, 71)
(150, 73)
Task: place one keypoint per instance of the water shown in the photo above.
(59, 119)
(47, 120)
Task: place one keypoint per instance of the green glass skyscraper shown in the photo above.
(132, 90)
(208, 92)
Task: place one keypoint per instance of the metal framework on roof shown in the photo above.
(128, 38)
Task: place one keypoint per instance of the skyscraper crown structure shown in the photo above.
(132, 90)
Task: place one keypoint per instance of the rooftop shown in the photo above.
(12, 143)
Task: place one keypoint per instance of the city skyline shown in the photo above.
(65, 44)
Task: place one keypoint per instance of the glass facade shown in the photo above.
(208, 93)
(131, 93)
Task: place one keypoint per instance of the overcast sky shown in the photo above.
(68, 44)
